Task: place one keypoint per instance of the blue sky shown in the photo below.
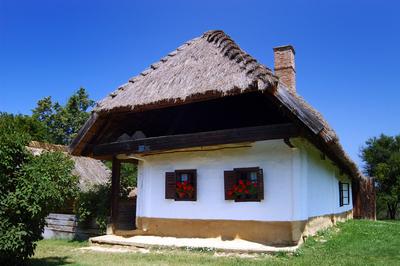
(347, 52)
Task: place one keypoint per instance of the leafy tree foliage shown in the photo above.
(63, 122)
(382, 161)
(128, 177)
(30, 187)
(27, 124)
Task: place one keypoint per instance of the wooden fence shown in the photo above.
(364, 200)
(65, 226)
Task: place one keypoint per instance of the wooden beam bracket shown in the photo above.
(287, 142)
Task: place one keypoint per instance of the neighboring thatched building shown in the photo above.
(225, 147)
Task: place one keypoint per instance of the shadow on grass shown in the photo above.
(49, 261)
(78, 240)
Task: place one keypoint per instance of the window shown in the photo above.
(244, 184)
(344, 194)
(181, 185)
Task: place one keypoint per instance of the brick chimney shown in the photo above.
(284, 66)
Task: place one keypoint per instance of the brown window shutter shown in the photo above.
(194, 182)
(260, 180)
(170, 185)
(229, 182)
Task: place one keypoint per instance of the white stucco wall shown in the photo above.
(274, 157)
(323, 185)
(297, 184)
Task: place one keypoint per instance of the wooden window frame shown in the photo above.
(344, 199)
(172, 179)
(236, 173)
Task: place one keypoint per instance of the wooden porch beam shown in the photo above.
(226, 136)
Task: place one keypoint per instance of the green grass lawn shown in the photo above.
(355, 242)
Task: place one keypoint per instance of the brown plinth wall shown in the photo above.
(364, 199)
(282, 233)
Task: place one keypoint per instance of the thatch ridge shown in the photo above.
(48, 146)
(233, 61)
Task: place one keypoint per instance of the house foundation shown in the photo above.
(277, 233)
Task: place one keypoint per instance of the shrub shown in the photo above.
(30, 187)
(94, 203)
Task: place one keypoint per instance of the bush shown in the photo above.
(30, 187)
(94, 203)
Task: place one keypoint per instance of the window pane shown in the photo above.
(185, 185)
(253, 177)
(184, 177)
(344, 193)
(243, 175)
(246, 187)
(346, 200)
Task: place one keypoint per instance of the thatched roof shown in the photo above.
(90, 171)
(207, 67)
(211, 64)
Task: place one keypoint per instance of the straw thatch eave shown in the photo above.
(323, 136)
(209, 67)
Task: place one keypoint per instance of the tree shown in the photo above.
(30, 187)
(63, 122)
(24, 123)
(128, 176)
(382, 161)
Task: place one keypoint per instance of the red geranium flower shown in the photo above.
(184, 189)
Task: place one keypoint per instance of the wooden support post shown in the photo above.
(115, 191)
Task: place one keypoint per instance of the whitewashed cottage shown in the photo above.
(225, 148)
